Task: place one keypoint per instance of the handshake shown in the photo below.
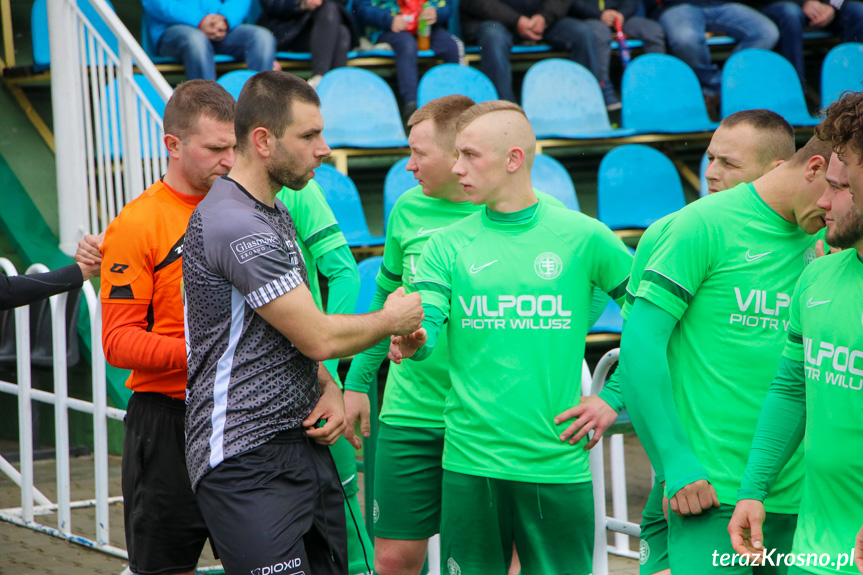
(407, 317)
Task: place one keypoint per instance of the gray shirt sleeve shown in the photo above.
(258, 260)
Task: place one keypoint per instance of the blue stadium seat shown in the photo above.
(368, 269)
(637, 186)
(703, 190)
(841, 70)
(344, 199)
(762, 79)
(448, 79)
(39, 31)
(562, 99)
(610, 321)
(234, 81)
(359, 110)
(661, 94)
(549, 176)
(397, 182)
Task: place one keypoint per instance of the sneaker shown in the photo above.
(612, 102)
(315, 80)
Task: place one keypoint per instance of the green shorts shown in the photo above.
(697, 544)
(551, 525)
(408, 482)
(654, 534)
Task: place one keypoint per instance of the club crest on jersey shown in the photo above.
(548, 265)
(809, 256)
(643, 552)
(453, 567)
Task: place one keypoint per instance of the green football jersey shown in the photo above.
(639, 262)
(416, 391)
(726, 267)
(826, 334)
(317, 229)
(517, 295)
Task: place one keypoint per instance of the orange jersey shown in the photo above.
(142, 305)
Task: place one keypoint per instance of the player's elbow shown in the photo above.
(319, 349)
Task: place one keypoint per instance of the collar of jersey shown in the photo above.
(187, 199)
(768, 212)
(513, 221)
(272, 209)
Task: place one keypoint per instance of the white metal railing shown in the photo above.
(108, 132)
(619, 522)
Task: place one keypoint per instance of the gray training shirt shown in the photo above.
(247, 382)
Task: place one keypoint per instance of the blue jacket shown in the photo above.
(377, 15)
(159, 14)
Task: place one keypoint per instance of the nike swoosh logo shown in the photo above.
(751, 258)
(424, 232)
(811, 303)
(474, 269)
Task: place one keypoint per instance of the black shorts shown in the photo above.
(165, 530)
(278, 508)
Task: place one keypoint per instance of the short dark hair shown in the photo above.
(777, 133)
(443, 112)
(814, 147)
(194, 99)
(267, 101)
(843, 124)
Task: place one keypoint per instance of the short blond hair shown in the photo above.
(483, 108)
(443, 113)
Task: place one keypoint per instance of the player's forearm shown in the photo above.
(646, 385)
(131, 347)
(611, 392)
(343, 279)
(26, 289)
(343, 335)
(779, 432)
(364, 367)
(433, 323)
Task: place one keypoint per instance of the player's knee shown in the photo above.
(399, 559)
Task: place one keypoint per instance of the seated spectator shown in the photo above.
(385, 22)
(496, 24)
(602, 16)
(322, 27)
(791, 17)
(192, 31)
(685, 23)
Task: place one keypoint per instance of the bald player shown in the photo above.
(515, 282)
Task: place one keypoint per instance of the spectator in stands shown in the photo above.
(495, 24)
(322, 27)
(602, 17)
(685, 23)
(844, 17)
(386, 22)
(193, 31)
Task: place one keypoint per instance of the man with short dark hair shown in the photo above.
(265, 480)
(142, 329)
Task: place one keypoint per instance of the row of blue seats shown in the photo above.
(42, 56)
(563, 99)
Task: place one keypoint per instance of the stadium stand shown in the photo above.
(41, 36)
(344, 199)
(360, 111)
(449, 79)
(661, 94)
(841, 70)
(563, 100)
(234, 81)
(549, 176)
(368, 269)
(397, 181)
(761, 79)
(637, 186)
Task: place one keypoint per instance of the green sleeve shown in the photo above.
(364, 367)
(597, 305)
(779, 431)
(433, 322)
(343, 284)
(647, 393)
